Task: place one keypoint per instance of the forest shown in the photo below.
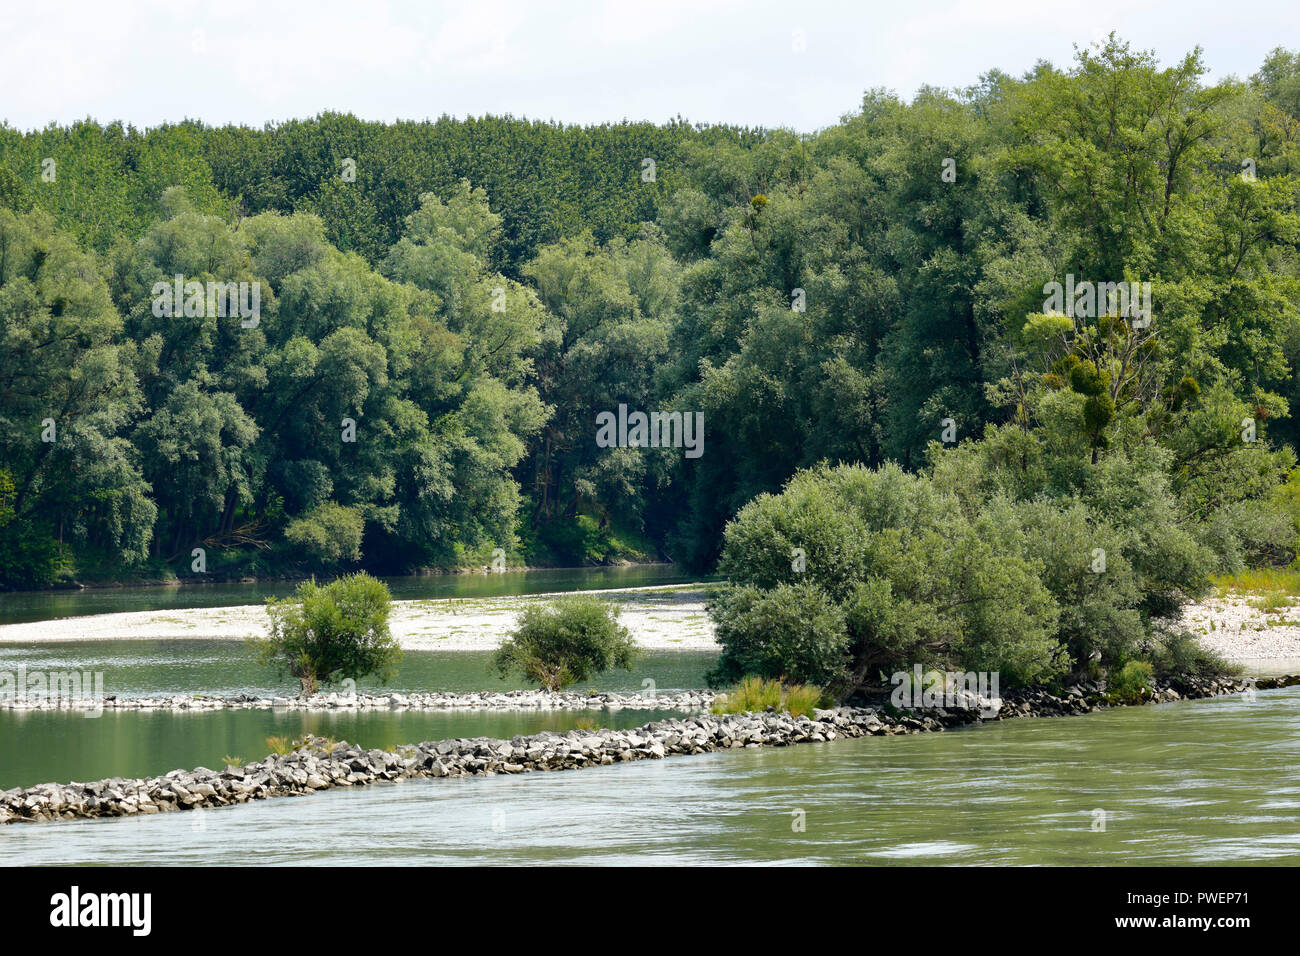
(446, 310)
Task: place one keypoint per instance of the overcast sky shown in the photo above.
(795, 64)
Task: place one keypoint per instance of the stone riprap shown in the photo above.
(688, 701)
(320, 765)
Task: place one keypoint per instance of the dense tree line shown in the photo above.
(471, 294)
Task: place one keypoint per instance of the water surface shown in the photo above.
(142, 668)
(46, 747)
(43, 746)
(24, 606)
(1198, 782)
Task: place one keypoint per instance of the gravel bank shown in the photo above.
(660, 618)
(1238, 628)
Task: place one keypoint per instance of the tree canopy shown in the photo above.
(443, 309)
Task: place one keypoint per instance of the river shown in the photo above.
(45, 746)
(1197, 782)
(20, 607)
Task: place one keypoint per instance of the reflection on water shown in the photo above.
(43, 746)
(134, 668)
(50, 605)
(1202, 782)
(46, 746)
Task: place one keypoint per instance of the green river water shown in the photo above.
(23, 606)
(42, 746)
(1199, 782)
(1196, 782)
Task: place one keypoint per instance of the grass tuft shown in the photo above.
(759, 694)
(1272, 602)
(1260, 580)
(1132, 682)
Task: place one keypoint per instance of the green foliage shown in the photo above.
(1279, 580)
(1087, 380)
(13, 195)
(326, 634)
(69, 392)
(751, 694)
(565, 642)
(1015, 554)
(328, 535)
(611, 311)
(925, 301)
(801, 700)
(572, 541)
(28, 557)
(284, 745)
(1116, 544)
(917, 577)
(1099, 612)
(472, 321)
(175, 431)
(1132, 682)
(1176, 652)
(1285, 502)
(755, 694)
(793, 632)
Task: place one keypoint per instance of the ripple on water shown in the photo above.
(1022, 792)
(938, 848)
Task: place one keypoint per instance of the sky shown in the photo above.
(800, 65)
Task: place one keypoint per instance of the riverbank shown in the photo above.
(217, 578)
(1246, 627)
(661, 617)
(322, 765)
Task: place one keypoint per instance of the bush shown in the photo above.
(326, 634)
(328, 535)
(1099, 611)
(1068, 542)
(802, 699)
(30, 558)
(573, 541)
(803, 535)
(902, 575)
(1133, 682)
(565, 641)
(790, 633)
(751, 694)
(757, 694)
(1177, 652)
(1131, 493)
(1157, 555)
(1286, 500)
